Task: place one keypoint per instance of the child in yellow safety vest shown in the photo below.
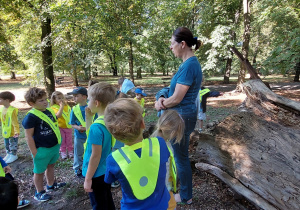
(98, 146)
(170, 126)
(139, 166)
(139, 97)
(77, 120)
(62, 111)
(10, 126)
(43, 139)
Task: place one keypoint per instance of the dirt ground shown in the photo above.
(208, 191)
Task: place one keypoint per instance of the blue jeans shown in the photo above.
(11, 145)
(181, 155)
(78, 153)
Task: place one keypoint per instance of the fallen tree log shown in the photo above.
(258, 149)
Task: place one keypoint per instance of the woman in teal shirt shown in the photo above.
(182, 96)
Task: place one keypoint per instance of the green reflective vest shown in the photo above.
(203, 92)
(173, 170)
(2, 173)
(6, 126)
(65, 115)
(78, 114)
(142, 103)
(99, 120)
(140, 172)
(53, 125)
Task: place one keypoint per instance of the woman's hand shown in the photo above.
(88, 185)
(159, 104)
(7, 169)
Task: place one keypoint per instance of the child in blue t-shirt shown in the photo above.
(77, 120)
(43, 139)
(98, 147)
(140, 166)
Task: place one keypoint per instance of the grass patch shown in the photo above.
(14, 86)
(151, 116)
(64, 164)
(28, 171)
(72, 193)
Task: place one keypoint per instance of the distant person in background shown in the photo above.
(92, 82)
(201, 102)
(182, 95)
(10, 126)
(139, 97)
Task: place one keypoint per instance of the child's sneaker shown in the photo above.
(63, 155)
(23, 203)
(6, 157)
(42, 196)
(115, 184)
(71, 155)
(78, 173)
(12, 158)
(55, 186)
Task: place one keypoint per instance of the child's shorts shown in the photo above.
(44, 157)
(201, 116)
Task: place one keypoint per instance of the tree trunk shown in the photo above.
(113, 64)
(12, 75)
(139, 73)
(245, 47)
(256, 151)
(47, 55)
(130, 61)
(297, 68)
(227, 70)
(75, 76)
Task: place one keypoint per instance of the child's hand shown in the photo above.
(82, 129)
(88, 113)
(62, 103)
(88, 185)
(7, 169)
(16, 135)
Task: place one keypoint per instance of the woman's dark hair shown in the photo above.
(184, 34)
(8, 194)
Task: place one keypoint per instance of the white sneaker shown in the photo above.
(11, 158)
(6, 157)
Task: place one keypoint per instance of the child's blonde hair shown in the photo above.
(170, 126)
(54, 96)
(102, 92)
(123, 119)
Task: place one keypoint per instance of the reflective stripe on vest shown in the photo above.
(203, 92)
(2, 173)
(99, 120)
(78, 114)
(65, 115)
(141, 176)
(44, 117)
(173, 170)
(6, 126)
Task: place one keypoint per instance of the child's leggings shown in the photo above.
(66, 141)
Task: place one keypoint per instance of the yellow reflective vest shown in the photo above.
(99, 120)
(65, 115)
(173, 170)
(78, 114)
(44, 117)
(203, 92)
(6, 125)
(2, 173)
(140, 172)
(142, 103)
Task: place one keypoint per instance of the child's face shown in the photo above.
(139, 96)
(59, 98)
(4, 101)
(79, 98)
(40, 104)
(92, 105)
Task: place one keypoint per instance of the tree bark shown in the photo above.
(130, 61)
(113, 63)
(297, 68)
(227, 70)
(139, 73)
(245, 47)
(12, 75)
(257, 150)
(47, 55)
